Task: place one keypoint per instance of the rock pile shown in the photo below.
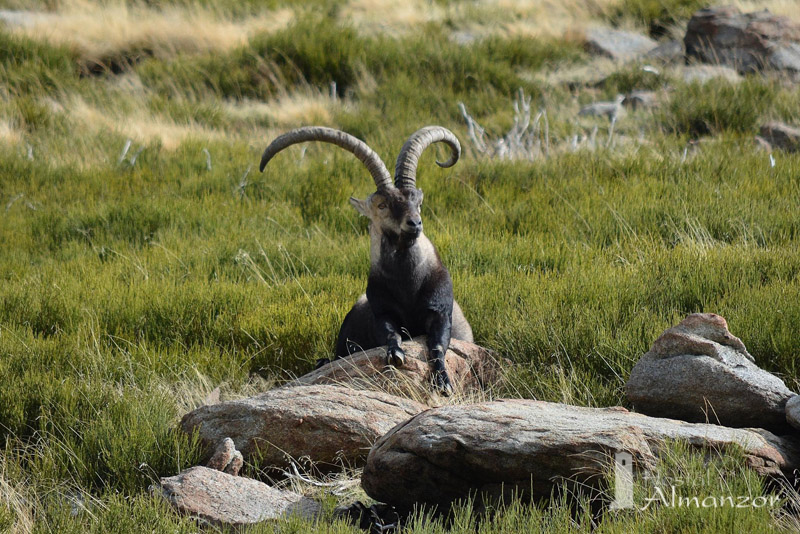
(698, 371)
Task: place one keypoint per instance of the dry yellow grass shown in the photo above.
(13, 499)
(102, 30)
(8, 134)
(488, 17)
(787, 8)
(288, 110)
(139, 124)
(388, 16)
(526, 18)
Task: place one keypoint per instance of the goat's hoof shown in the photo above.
(441, 382)
(396, 357)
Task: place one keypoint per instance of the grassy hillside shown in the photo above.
(145, 261)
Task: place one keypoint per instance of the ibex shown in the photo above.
(409, 289)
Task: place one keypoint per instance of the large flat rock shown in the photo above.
(325, 423)
(528, 446)
(747, 42)
(618, 44)
(698, 371)
(471, 369)
(222, 499)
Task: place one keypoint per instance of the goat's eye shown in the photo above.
(382, 206)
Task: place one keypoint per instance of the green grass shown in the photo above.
(127, 292)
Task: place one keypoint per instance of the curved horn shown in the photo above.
(368, 157)
(405, 172)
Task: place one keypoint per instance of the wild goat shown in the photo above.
(409, 289)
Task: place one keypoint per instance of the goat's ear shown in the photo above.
(359, 205)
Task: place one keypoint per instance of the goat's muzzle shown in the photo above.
(412, 227)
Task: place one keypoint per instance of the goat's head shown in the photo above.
(394, 207)
(393, 211)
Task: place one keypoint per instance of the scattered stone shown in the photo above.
(375, 519)
(638, 100)
(471, 369)
(783, 136)
(748, 42)
(669, 52)
(706, 73)
(527, 447)
(226, 458)
(612, 110)
(762, 144)
(617, 44)
(326, 424)
(222, 499)
(698, 371)
(793, 412)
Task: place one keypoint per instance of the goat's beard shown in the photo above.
(402, 239)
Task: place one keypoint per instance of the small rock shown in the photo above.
(783, 136)
(221, 499)
(471, 369)
(669, 52)
(612, 110)
(793, 412)
(762, 144)
(698, 371)
(617, 44)
(638, 100)
(748, 42)
(528, 447)
(324, 423)
(706, 73)
(226, 458)
(376, 518)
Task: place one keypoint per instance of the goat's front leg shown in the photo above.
(438, 343)
(387, 329)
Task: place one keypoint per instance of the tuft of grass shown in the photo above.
(29, 67)
(719, 106)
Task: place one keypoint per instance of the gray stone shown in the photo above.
(617, 44)
(669, 52)
(528, 447)
(783, 136)
(793, 412)
(706, 73)
(698, 371)
(638, 100)
(762, 144)
(221, 499)
(611, 110)
(471, 369)
(748, 42)
(326, 424)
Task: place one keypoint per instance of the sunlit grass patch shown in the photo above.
(112, 35)
(285, 111)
